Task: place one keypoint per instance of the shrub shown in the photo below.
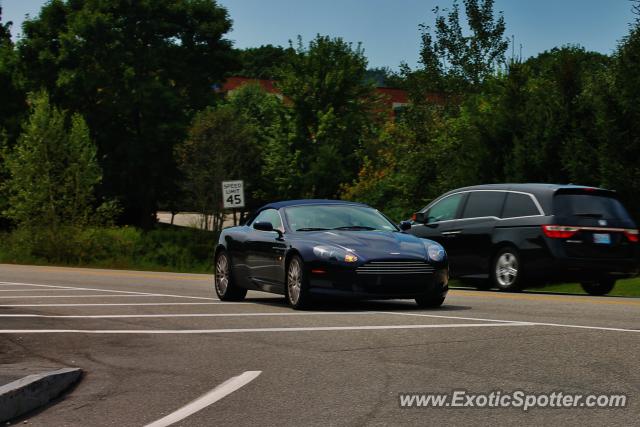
(164, 248)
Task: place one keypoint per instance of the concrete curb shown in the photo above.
(33, 391)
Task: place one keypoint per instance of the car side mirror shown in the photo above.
(263, 226)
(266, 226)
(405, 225)
(420, 217)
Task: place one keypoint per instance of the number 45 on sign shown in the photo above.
(233, 194)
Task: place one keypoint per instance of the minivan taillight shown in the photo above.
(632, 235)
(559, 231)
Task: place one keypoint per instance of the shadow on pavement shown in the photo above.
(360, 305)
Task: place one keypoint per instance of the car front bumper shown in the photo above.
(347, 282)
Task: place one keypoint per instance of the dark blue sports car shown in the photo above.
(308, 248)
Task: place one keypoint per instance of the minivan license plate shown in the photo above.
(602, 239)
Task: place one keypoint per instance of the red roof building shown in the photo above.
(396, 99)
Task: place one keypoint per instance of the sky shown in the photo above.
(388, 29)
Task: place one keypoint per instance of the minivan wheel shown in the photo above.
(602, 287)
(506, 270)
(224, 284)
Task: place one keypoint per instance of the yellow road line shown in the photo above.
(551, 298)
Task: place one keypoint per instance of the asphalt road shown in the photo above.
(151, 343)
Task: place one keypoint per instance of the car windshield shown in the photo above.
(337, 217)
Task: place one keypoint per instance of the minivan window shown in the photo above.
(519, 205)
(588, 205)
(445, 209)
(483, 204)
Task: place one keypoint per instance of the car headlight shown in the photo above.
(435, 252)
(335, 254)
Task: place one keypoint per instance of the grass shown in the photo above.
(166, 248)
(623, 288)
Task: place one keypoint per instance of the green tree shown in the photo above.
(262, 62)
(333, 110)
(268, 118)
(385, 178)
(618, 121)
(13, 106)
(220, 146)
(458, 61)
(137, 70)
(52, 169)
(384, 77)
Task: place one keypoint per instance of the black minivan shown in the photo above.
(514, 235)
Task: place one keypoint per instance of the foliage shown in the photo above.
(220, 146)
(385, 176)
(13, 106)
(267, 117)
(618, 121)
(332, 113)
(137, 71)
(52, 170)
(172, 249)
(384, 77)
(464, 60)
(546, 120)
(262, 62)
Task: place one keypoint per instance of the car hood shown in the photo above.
(373, 244)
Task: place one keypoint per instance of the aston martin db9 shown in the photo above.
(304, 249)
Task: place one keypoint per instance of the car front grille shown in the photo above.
(399, 268)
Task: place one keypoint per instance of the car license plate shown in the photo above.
(602, 239)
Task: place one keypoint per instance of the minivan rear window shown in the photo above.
(588, 205)
(519, 205)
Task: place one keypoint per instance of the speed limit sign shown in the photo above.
(233, 194)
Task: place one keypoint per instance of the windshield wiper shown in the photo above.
(311, 229)
(355, 227)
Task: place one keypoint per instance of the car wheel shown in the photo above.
(601, 287)
(297, 287)
(226, 289)
(429, 301)
(506, 270)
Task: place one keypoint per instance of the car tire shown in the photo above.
(223, 282)
(601, 287)
(296, 287)
(506, 270)
(429, 301)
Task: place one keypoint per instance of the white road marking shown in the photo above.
(107, 290)
(596, 328)
(81, 296)
(39, 290)
(207, 399)
(436, 316)
(133, 316)
(235, 330)
(562, 325)
(122, 304)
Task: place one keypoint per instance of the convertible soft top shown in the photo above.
(285, 203)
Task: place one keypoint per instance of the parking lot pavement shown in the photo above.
(156, 345)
